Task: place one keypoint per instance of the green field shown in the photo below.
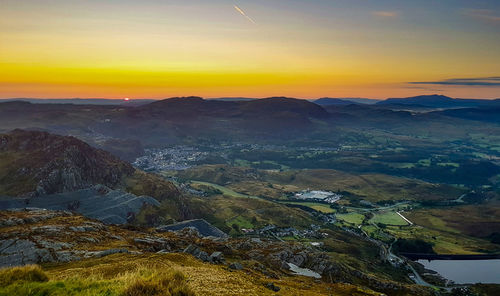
(241, 221)
(352, 218)
(376, 233)
(224, 190)
(388, 218)
(320, 207)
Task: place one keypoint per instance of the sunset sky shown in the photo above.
(249, 48)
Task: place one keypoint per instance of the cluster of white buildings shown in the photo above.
(318, 195)
(175, 158)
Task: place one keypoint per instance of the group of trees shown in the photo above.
(412, 246)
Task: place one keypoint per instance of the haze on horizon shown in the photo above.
(258, 48)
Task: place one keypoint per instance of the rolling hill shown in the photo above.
(39, 163)
(439, 101)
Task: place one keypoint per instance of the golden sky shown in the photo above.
(260, 48)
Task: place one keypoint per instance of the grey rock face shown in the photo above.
(203, 256)
(196, 252)
(66, 256)
(192, 249)
(56, 246)
(82, 228)
(153, 244)
(299, 259)
(97, 202)
(22, 252)
(204, 228)
(100, 254)
(236, 266)
(49, 229)
(216, 258)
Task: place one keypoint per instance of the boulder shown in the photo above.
(153, 244)
(272, 287)
(203, 256)
(216, 258)
(22, 252)
(192, 249)
(236, 266)
(298, 259)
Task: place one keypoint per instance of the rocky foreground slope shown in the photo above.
(62, 241)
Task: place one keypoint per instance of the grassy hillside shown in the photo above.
(275, 184)
(480, 221)
(168, 274)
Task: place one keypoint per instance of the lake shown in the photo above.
(466, 271)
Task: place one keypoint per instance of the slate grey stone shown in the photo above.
(109, 206)
(216, 257)
(272, 287)
(236, 266)
(204, 228)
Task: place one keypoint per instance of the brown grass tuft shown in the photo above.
(164, 284)
(28, 273)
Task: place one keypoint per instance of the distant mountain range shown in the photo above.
(235, 99)
(427, 101)
(79, 101)
(439, 101)
(344, 101)
(124, 131)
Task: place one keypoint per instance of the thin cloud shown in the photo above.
(486, 15)
(481, 81)
(244, 14)
(385, 14)
(426, 88)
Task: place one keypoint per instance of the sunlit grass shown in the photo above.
(320, 207)
(388, 218)
(352, 218)
(141, 280)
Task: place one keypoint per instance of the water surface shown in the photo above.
(466, 271)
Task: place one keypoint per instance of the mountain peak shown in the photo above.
(38, 163)
(435, 101)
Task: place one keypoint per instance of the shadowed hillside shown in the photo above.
(41, 163)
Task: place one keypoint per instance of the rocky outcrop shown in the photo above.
(236, 266)
(153, 244)
(216, 257)
(44, 163)
(204, 228)
(32, 236)
(21, 252)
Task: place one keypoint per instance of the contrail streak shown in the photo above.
(244, 14)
